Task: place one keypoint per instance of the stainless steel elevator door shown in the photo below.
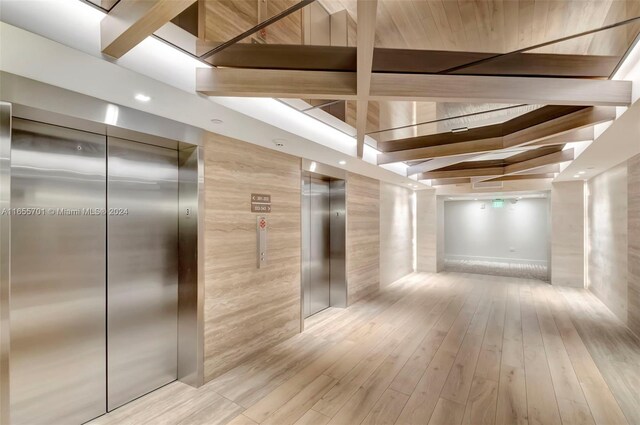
(58, 299)
(142, 267)
(319, 284)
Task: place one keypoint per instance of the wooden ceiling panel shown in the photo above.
(443, 182)
(225, 19)
(531, 154)
(531, 120)
(523, 177)
(499, 26)
(463, 88)
(275, 83)
(487, 170)
(415, 39)
(566, 120)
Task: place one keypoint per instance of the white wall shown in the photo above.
(515, 232)
(396, 232)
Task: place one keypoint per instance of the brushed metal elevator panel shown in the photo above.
(320, 266)
(142, 267)
(58, 299)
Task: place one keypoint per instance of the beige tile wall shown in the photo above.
(249, 309)
(567, 234)
(363, 237)
(396, 232)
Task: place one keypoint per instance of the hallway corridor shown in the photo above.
(429, 349)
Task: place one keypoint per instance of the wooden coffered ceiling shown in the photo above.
(405, 73)
(388, 64)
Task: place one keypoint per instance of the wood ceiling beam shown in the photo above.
(453, 149)
(556, 127)
(553, 158)
(275, 83)
(366, 35)
(532, 153)
(529, 90)
(520, 64)
(580, 135)
(470, 172)
(523, 177)
(450, 144)
(437, 163)
(438, 139)
(131, 21)
(529, 121)
(443, 182)
(553, 168)
(477, 172)
(406, 61)
(286, 56)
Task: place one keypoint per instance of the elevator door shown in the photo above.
(142, 269)
(58, 302)
(318, 285)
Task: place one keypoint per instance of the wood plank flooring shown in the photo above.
(446, 348)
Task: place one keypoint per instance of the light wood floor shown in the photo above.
(430, 349)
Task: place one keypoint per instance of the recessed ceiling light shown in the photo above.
(142, 97)
(216, 121)
(475, 199)
(577, 176)
(279, 142)
(459, 130)
(342, 162)
(581, 172)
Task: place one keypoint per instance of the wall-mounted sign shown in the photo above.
(261, 208)
(260, 203)
(260, 198)
(498, 203)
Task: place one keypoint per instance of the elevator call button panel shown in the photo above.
(262, 226)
